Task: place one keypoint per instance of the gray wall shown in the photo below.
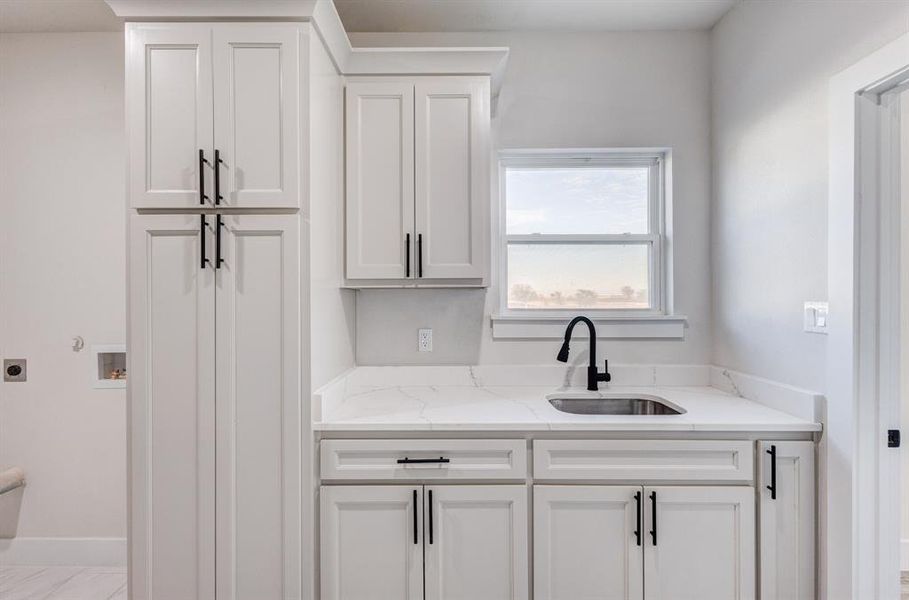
(572, 91)
(772, 62)
(62, 274)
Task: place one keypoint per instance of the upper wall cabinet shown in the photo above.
(417, 180)
(213, 113)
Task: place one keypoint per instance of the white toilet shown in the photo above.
(12, 486)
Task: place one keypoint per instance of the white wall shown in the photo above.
(904, 318)
(333, 310)
(62, 274)
(772, 62)
(564, 91)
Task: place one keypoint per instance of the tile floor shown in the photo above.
(106, 583)
(62, 583)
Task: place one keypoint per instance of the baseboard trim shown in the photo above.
(87, 552)
(904, 554)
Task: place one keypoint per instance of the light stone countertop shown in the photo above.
(405, 400)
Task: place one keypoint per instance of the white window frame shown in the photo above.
(653, 160)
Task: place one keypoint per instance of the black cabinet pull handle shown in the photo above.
(202, 163)
(430, 516)
(415, 540)
(407, 254)
(420, 252)
(202, 225)
(417, 461)
(772, 486)
(217, 167)
(637, 528)
(653, 514)
(218, 225)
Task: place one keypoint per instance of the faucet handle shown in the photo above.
(605, 376)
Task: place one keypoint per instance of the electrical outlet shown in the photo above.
(424, 340)
(815, 317)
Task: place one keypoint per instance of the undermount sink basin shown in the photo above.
(624, 404)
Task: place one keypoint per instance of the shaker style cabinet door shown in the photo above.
(699, 543)
(169, 114)
(588, 543)
(452, 182)
(380, 202)
(257, 114)
(171, 409)
(475, 538)
(258, 406)
(787, 537)
(372, 542)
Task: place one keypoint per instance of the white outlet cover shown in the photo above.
(816, 317)
(424, 340)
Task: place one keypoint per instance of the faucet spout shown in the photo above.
(593, 376)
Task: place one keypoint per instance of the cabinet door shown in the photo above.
(168, 113)
(587, 543)
(476, 542)
(452, 181)
(257, 114)
(372, 542)
(171, 410)
(699, 543)
(787, 521)
(380, 219)
(258, 407)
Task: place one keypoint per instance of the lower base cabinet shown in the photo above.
(435, 542)
(632, 542)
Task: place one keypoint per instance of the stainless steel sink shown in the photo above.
(625, 404)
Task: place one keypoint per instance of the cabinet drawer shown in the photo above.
(405, 460)
(652, 460)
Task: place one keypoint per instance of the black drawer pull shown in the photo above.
(653, 508)
(415, 540)
(422, 461)
(772, 486)
(637, 529)
(430, 516)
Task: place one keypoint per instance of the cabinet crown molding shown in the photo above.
(325, 20)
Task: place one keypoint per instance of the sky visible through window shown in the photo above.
(572, 200)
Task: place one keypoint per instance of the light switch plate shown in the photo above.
(14, 370)
(816, 317)
(424, 340)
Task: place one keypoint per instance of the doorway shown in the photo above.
(861, 495)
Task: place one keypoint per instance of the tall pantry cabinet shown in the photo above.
(215, 187)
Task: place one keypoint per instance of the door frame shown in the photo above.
(859, 518)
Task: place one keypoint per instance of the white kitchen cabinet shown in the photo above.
(475, 541)
(451, 162)
(372, 542)
(199, 90)
(380, 185)
(214, 406)
(417, 180)
(699, 543)
(171, 410)
(454, 542)
(587, 543)
(258, 407)
(168, 113)
(787, 516)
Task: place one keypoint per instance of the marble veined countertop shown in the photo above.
(473, 399)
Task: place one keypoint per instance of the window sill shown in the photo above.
(548, 327)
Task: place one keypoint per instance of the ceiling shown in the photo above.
(26, 16)
(530, 15)
(418, 15)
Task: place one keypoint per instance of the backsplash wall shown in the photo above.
(578, 90)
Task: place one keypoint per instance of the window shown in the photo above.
(582, 232)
